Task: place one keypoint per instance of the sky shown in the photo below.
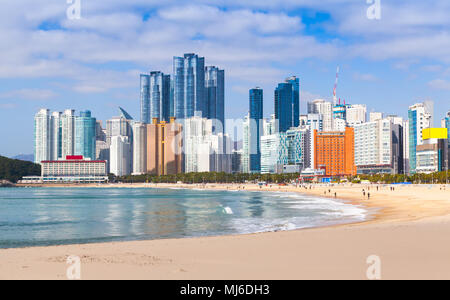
(49, 59)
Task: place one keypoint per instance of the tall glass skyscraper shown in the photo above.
(295, 99)
(255, 128)
(215, 97)
(284, 95)
(145, 98)
(155, 97)
(85, 133)
(189, 86)
(159, 96)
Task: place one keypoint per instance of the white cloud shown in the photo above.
(29, 94)
(364, 77)
(440, 84)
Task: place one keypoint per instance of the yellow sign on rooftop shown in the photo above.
(434, 133)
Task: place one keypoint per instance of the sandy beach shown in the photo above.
(409, 231)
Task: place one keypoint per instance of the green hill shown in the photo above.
(13, 169)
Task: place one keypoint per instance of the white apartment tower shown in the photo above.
(120, 156)
(139, 148)
(42, 141)
(67, 133)
(325, 108)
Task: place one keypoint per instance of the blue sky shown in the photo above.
(48, 60)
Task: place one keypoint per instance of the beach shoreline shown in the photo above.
(420, 213)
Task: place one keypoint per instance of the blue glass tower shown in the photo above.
(255, 130)
(159, 96)
(295, 99)
(85, 132)
(189, 86)
(283, 106)
(215, 97)
(145, 98)
(412, 116)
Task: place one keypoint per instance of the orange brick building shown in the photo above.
(164, 147)
(335, 151)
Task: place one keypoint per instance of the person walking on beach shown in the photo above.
(368, 195)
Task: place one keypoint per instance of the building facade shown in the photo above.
(189, 86)
(215, 98)
(284, 94)
(139, 148)
(420, 117)
(255, 128)
(335, 152)
(73, 169)
(85, 135)
(68, 133)
(379, 147)
(164, 148)
(324, 108)
(42, 136)
(120, 156)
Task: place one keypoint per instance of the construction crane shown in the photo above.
(335, 87)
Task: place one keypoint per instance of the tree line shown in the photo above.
(215, 177)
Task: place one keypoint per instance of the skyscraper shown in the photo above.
(255, 129)
(284, 94)
(120, 153)
(295, 100)
(56, 135)
(164, 142)
(67, 133)
(189, 86)
(246, 145)
(42, 140)
(159, 96)
(85, 133)
(139, 148)
(420, 117)
(215, 97)
(145, 98)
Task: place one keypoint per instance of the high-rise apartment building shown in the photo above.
(145, 98)
(379, 147)
(420, 117)
(375, 116)
(335, 152)
(255, 129)
(274, 153)
(246, 144)
(324, 108)
(356, 114)
(42, 136)
(85, 133)
(139, 148)
(160, 96)
(120, 155)
(68, 133)
(164, 147)
(215, 98)
(56, 135)
(189, 86)
(299, 145)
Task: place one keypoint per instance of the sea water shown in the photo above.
(58, 216)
